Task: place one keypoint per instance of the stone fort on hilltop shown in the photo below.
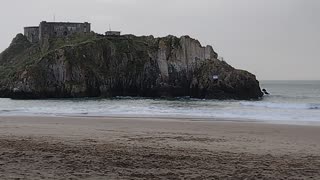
(48, 30)
(55, 29)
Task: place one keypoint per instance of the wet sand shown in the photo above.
(155, 148)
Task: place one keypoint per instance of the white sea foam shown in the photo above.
(276, 105)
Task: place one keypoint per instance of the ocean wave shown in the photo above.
(314, 106)
(4, 111)
(8, 110)
(274, 105)
(292, 96)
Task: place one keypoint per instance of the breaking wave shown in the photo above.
(275, 105)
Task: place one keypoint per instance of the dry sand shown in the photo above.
(155, 148)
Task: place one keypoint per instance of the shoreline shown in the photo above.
(150, 148)
(173, 117)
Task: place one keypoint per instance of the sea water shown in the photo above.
(296, 102)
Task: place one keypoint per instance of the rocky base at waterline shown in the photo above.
(102, 66)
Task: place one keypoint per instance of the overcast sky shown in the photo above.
(274, 39)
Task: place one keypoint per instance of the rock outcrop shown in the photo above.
(121, 66)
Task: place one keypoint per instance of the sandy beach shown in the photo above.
(155, 148)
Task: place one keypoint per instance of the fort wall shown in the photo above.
(62, 29)
(32, 34)
(48, 30)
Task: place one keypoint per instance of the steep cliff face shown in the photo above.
(123, 66)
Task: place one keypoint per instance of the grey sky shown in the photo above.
(274, 39)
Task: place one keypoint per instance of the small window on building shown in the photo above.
(65, 33)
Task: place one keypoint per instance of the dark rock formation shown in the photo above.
(145, 66)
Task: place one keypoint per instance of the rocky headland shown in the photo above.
(103, 66)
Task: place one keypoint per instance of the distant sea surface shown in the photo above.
(296, 102)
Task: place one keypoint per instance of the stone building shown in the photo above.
(32, 33)
(113, 33)
(48, 30)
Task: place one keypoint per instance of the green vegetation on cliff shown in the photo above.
(20, 54)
